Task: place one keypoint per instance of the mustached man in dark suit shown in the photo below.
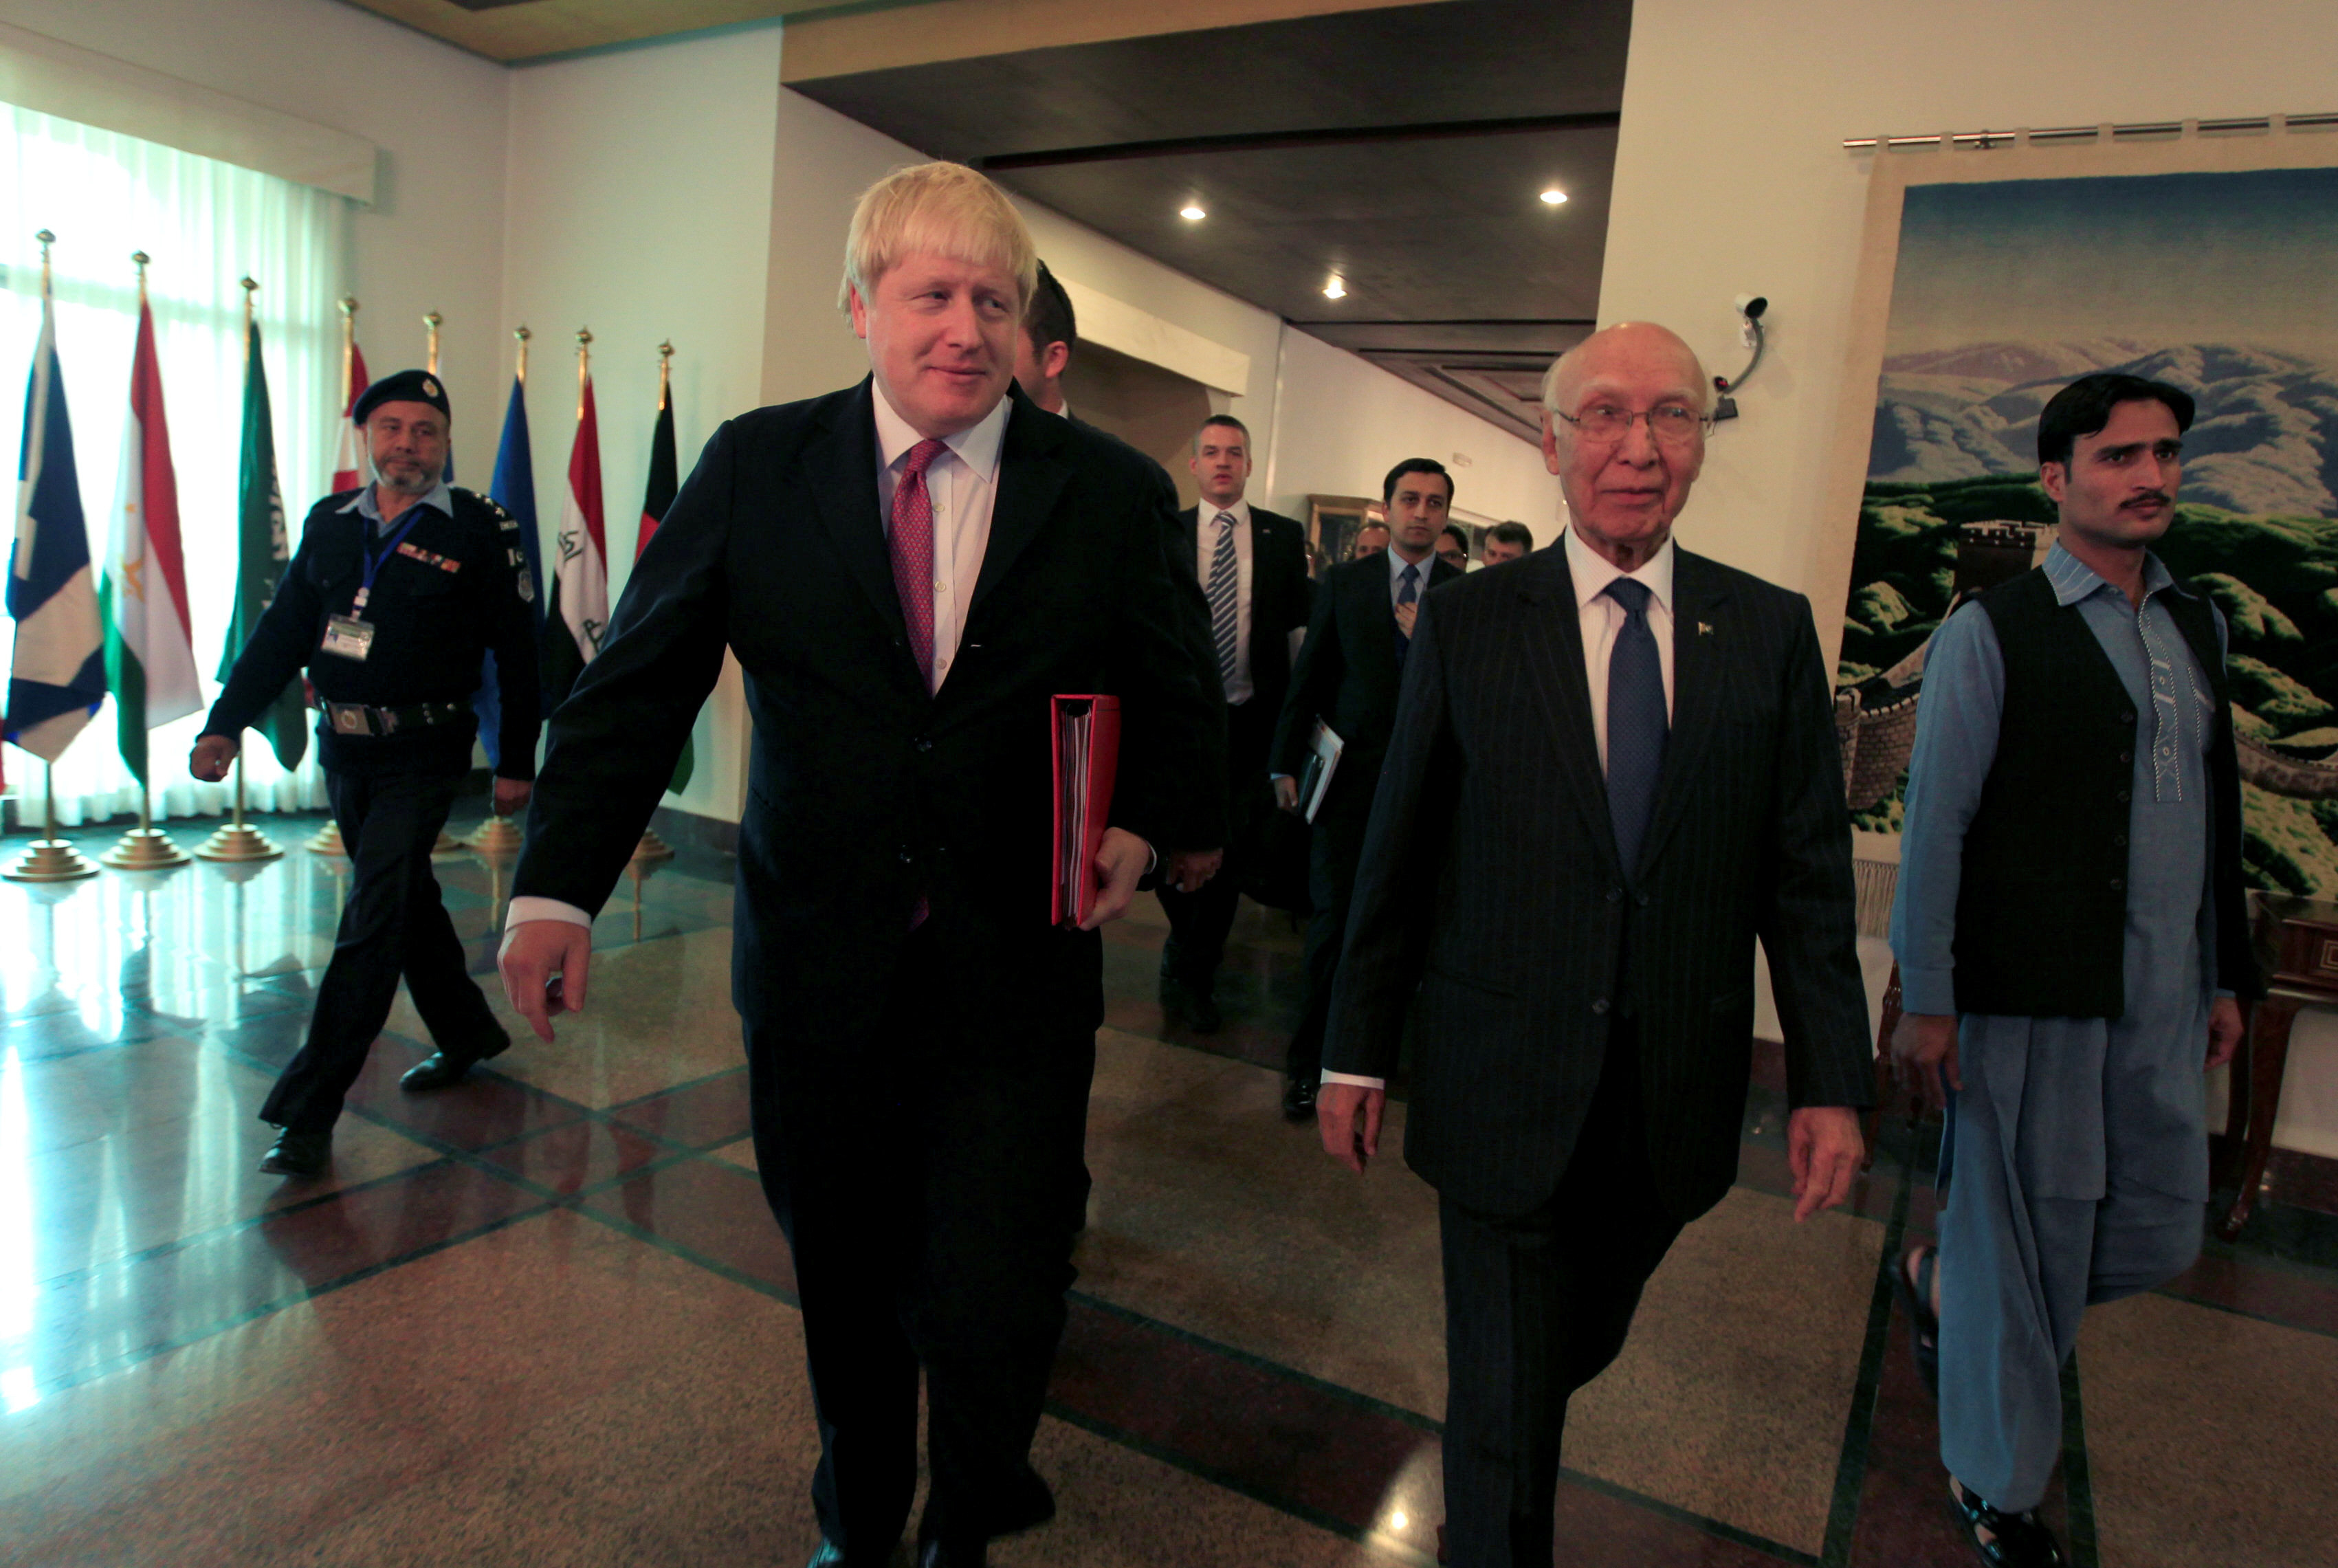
(1347, 674)
(1613, 767)
(1253, 568)
(908, 570)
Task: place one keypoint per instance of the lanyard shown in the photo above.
(374, 563)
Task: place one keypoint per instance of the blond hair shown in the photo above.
(941, 209)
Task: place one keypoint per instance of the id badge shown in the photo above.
(348, 637)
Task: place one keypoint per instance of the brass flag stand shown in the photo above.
(50, 859)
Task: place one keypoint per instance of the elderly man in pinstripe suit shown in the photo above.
(1613, 767)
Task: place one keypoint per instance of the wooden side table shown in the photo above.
(2297, 938)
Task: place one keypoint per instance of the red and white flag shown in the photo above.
(349, 456)
(150, 652)
(579, 612)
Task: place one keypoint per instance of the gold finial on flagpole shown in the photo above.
(523, 334)
(584, 366)
(665, 370)
(348, 307)
(46, 240)
(250, 287)
(140, 257)
(432, 324)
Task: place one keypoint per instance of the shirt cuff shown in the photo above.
(1929, 991)
(1359, 1080)
(524, 910)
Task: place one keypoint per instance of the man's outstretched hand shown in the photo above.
(545, 964)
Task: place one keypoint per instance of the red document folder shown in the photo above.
(1086, 731)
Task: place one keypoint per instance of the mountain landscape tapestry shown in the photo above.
(2225, 284)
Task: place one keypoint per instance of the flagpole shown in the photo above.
(144, 848)
(499, 839)
(327, 840)
(238, 842)
(49, 859)
(652, 848)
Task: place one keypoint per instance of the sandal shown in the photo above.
(1924, 1324)
(2006, 1540)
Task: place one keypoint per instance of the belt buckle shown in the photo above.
(349, 717)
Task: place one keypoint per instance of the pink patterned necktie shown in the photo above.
(910, 541)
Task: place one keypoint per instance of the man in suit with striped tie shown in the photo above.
(1252, 566)
(1614, 767)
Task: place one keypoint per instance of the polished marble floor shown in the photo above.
(546, 1319)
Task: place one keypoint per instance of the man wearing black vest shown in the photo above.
(2071, 936)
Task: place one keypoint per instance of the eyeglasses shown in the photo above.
(1671, 425)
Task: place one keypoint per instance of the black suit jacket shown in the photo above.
(1278, 595)
(866, 792)
(1491, 888)
(1348, 670)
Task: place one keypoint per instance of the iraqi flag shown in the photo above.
(579, 612)
(659, 496)
(150, 651)
(349, 456)
(57, 680)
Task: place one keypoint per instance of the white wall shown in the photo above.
(638, 189)
(1731, 176)
(432, 239)
(1346, 422)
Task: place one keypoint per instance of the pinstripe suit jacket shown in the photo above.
(1491, 903)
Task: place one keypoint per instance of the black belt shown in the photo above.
(357, 719)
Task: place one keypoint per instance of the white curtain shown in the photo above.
(206, 225)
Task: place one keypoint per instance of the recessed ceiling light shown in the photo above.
(1335, 290)
(1192, 212)
(1555, 197)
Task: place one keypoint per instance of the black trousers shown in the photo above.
(393, 924)
(1536, 1306)
(1198, 922)
(1335, 846)
(928, 1185)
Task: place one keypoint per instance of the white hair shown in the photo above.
(1566, 370)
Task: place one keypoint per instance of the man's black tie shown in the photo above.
(1637, 725)
(1407, 590)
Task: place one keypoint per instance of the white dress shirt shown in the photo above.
(964, 485)
(1240, 689)
(1397, 564)
(1601, 618)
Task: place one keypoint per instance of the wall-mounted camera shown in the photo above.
(1750, 307)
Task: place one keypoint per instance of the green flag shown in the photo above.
(263, 552)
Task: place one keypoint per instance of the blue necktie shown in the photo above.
(1637, 724)
(1407, 590)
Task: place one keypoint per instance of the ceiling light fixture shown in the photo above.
(1192, 212)
(1335, 290)
(1555, 197)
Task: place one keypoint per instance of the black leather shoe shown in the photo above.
(298, 1153)
(831, 1555)
(1299, 1099)
(443, 1067)
(2006, 1540)
(940, 1554)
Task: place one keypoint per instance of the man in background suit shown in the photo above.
(908, 569)
(1507, 542)
(1042, 348)
(1349, 668)
(1614, 767)
(1252, 566)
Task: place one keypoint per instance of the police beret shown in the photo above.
(405, 386)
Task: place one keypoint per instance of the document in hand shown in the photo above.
(1324, 749)
(1088, 754)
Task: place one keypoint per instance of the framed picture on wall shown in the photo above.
(1332, 521)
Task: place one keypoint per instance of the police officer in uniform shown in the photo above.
(397, 592)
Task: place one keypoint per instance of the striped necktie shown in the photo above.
(1225, 583)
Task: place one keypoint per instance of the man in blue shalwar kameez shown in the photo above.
(2071, 935)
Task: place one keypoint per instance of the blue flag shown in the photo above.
(514, 489)
(57, 679)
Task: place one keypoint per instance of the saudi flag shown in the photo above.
(660, 495)
(263, 552)
(150, 654)
(580, 580)
(56, 679)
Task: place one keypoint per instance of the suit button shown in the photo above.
(906, 856)
(2127, 716)
(1643, 901)
(2126, 755)
(925, 743)
(2125, 796)
(1600, 1006)
(1615, 895)
(2118, 884)
(2119, 839)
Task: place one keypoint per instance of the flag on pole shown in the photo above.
(263, 552)
(349, 456)
(150, 652)
(57, 679)
(580, 582)
(513, 488)
(660, 495)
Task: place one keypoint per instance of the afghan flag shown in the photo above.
(579, 612)
(349, 456)
(513, 488)
(263, 552)
(662, 470)
(150, 651)
(56, 681)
